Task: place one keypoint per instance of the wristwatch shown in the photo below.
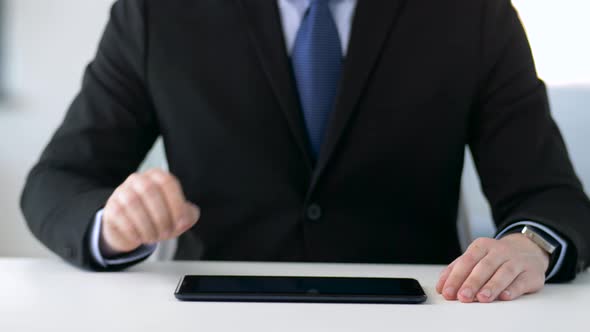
(542, 241)
(546, 242)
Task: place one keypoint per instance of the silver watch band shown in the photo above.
(539, 240)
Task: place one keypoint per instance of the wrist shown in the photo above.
(106, 249)
(545, 256)
(546, 246)
(557, 248)
(538, 252)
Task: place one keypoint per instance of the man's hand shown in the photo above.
(492, 269)
(147, 208)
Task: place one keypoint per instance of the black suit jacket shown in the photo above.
(422, 79)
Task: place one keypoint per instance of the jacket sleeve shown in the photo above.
(105, 135)
(519, 153)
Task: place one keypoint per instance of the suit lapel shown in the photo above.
(372, 25)
(266, 32)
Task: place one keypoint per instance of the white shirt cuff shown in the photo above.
(547, 230)
(135, 256)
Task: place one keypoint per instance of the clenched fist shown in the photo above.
(147, 208)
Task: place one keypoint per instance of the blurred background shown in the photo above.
(45, 45)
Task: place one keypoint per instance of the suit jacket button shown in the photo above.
(314, 212)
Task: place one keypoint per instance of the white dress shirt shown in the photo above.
(292, 13)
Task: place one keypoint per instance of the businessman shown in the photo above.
(320, 131)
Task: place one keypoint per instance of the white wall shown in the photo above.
(46, 47)
(49, 42)
(559, 32)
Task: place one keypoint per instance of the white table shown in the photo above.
(49, 295)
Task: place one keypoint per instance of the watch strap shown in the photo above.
(540, 234)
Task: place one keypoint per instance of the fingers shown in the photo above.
(194, 214)
(525, 283)
(119, 235)
(180, 216)
(492, 269)
(153, 202)
(463, 268)
(444, 275)
(502, 278)
(132, 210)
(147, 208)
(481, 274)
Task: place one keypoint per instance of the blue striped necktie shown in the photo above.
(317, 65)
